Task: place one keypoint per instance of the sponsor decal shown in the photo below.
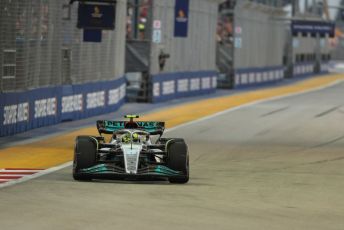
(181, 18)
(45, 107)
(156, 36)
(214, 82)
(168, 87)
(72, 103)
(114, 96)
(251, 77)
(206, 83)
(16, 113)
(244, 78)
(195, 84)
(23, 112)
(237, 79)
(122, 91)
(259, 77)
(271, 73)
(156, 89)
(238, 30)
(95, 99)
(157, 24)
(312, 27)
(324, 67)
(96, 13)
(238, 42)
(183, 85)
(96, 16)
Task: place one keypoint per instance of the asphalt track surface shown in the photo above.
(272, 165)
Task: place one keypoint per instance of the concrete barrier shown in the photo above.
(257, 76)
(22, 111)
(169, 86)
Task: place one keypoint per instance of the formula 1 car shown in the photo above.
(131, 153)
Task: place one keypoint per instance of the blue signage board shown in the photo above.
(96, 16)
(313, 28)
(92, 35)
(181, 19)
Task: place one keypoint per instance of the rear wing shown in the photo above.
(152, 127)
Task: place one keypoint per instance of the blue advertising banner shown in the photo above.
(181, 19)
(22, 111)
(170, 86)
(92, 35)
(313, 28)
(95, 16)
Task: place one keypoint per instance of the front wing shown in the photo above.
(109, 170)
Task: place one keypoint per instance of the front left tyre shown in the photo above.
(178, 160)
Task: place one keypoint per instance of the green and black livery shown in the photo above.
(142, 159)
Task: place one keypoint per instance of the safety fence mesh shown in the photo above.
(41, 46)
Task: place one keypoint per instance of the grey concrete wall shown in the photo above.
(262, 38)
(197, 51)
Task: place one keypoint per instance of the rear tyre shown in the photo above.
(178, 160)
(84, 156)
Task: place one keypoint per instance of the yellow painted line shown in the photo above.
(58, 150)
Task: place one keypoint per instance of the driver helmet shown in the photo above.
(136, 138)
(126, 138)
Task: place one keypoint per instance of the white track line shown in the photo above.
(36, 175)
(19, 171)
(68, 164)
(15, 175)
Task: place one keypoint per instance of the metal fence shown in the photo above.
(41, 46)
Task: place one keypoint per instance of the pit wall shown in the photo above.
(169, 86)
(307, 69)
(22, 111)
(258, 76)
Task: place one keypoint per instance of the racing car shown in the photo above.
(135, 150)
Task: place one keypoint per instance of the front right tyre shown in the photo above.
(85, 151)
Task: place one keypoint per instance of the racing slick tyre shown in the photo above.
(165, 140)
(178, 160)
(84, 156)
